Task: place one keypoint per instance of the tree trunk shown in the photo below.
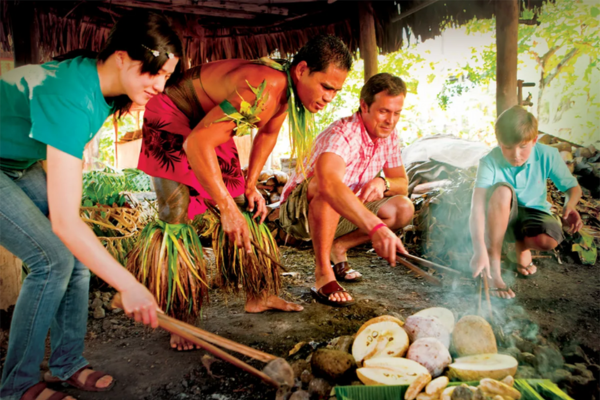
(25, 34)
(507, 31)
(368, 39)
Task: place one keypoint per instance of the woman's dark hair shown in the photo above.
(146, 37)
(323, 50)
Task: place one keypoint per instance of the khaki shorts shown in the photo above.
(527, 222)
(293, 214)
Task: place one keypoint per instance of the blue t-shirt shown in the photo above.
(56, 104)
(529, 180)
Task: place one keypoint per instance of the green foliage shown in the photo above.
(106, 136)
(104, 187)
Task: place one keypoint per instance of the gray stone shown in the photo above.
(99, 313)
(319, 388)
(300, 395)
(527, 359)
(511, 351)
(306, 377)
(106, 325)
(558, 375)
(574, 354)
(548, 359)
(97, 303)
(524, 345)
(526, 372)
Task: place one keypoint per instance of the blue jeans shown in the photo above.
(54, 296)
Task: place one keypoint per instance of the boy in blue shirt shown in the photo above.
(509, 199)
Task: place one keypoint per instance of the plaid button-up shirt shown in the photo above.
(364, 157)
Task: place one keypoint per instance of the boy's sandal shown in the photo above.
(527, 268)
(33, 392)
(90, 381)
(322, 295)
(342, 270)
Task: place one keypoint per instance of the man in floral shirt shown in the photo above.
(341, 200)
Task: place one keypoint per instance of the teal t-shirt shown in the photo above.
(55, 104)
(529, 180)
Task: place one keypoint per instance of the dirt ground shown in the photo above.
(562, 300)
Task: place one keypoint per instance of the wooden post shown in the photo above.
(25, 34)
(10, 278)
(368, 39)
(507, 30)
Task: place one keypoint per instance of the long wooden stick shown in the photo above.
(487, 296)
(166, 323)
(429, 263)
(428, 277)
(270, 257)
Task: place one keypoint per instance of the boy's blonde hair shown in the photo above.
(516, 125)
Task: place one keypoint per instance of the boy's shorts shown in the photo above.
(293, 214)
(527, 222)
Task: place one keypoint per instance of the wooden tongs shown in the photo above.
(403, 259)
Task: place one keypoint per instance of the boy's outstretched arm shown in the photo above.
(570, 215)
(480, 260)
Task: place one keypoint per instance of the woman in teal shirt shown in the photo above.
(51, 111)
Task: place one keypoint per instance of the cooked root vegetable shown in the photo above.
(416, 386)
(447, 393)
(418, 327)
(473, 335)
(390, 371)
(445, 316)
(282, 177)
(437, 385)
(425, 396)
(473, 368)
(509, 380)
(380, 337)
(496, 387)
(331, 364)
(430, 353)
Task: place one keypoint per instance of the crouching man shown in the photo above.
(341, 201)
(509, 199)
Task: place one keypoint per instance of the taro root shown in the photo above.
(331, 364)
(461, 393)
(380, 337)
(474, 368)
(445, 316)
(437, 385)
(473, 335)
(390, 371)
(496, 387)
(419, 327)
(430, 353)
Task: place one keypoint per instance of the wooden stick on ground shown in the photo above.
(168, 324)
(429, 263)
(428, 277)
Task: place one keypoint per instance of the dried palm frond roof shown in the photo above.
(213, 30)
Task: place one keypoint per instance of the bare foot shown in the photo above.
(258, 305)
(499, 289)
(181, 344)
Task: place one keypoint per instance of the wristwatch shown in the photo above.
(387, 183)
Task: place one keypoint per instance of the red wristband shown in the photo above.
(375, 229)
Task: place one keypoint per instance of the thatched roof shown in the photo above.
(248, 29)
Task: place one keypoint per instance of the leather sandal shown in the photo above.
(322, 295)
(90, 382)
(33, 393)
(342, 269)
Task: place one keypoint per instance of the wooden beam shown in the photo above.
(25, 34)
(507, 30)
(413, 10)
(249, 7)
(368, 39)
(185, 9)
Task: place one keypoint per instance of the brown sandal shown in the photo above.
(33, 392)
(322, 295)
(342, 269)
(90, 382)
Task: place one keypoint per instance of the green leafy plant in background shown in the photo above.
(105, 187)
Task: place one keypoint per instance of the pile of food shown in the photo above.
(270, 184)
(429, 356)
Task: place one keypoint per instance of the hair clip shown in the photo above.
(169, 55)
(155, 53)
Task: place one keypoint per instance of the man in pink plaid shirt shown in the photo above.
(341, 201)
